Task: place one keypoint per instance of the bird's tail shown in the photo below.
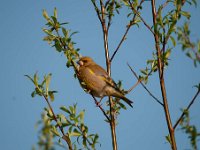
(129, 102)
(121, 96)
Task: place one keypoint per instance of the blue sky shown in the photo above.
(24, 52)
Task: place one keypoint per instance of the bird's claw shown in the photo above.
(98, 104)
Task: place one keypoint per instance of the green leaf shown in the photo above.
(45, 15)
(189, 55)
(33, 94)
(167, 53)
(194, 2)
(47, 82)
(84, 142)
(64, 23)
(168, 138)
(55, 13)
(122, 105)
(198, 47)
(173, 40)
(54, 19)
(144, 71)
(51, 95)
(60, 142)
(49, 32)
(49, 112)
(65, 32)
(186, 14)
(73, 33)
(75, 133)
(55, 131)
(29, 78)
(197, 86)
(58, 45)
(38, 91)
(63, 108)
(35, 79)
(81, 115)
(71, 109)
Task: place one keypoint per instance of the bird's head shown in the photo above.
(84, 61)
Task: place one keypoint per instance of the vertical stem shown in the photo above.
(108, 64)
(101, 16)
(162, 82)
(112, 114)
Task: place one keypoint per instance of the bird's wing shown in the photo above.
(101, 73)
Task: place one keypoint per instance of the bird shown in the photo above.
(96, 81)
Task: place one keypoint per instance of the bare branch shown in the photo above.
(103, 111)
(101, 16)
(126, 32)
(165, 4)
(138, 14)
(134, 86)
(110, 15)
(97, 11)
(188, 107)
(140, 81)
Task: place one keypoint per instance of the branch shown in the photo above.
(188, 107)
(165, 4)
(65, 137)
(103, 111)
(161, 78)
(140, 81)
(97, 10)
(110, 15)
(101, 16)
(138, 14)
(126, 32)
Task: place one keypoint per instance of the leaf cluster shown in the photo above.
(189, 129)
(72, 122)
(62, 42)
(77, 128)
(42, 89)
(192, 49)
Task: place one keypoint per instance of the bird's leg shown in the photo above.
(100, 100)
(96, 102)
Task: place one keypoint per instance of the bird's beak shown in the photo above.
(80, 63)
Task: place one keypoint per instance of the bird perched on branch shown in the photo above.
(96, 81)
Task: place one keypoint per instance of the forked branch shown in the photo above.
(188, 107)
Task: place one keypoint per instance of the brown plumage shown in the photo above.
(96, 81)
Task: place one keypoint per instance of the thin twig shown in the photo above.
(196, 53)
(97, 11)
(188, 107)
(163, 52)
(65, 48)
(165, 4)
(140, 81)
(126, 32)
(110, 15)
(108, 64)
(101, 108)
(134, 86)
(138, 14)
(65, 137)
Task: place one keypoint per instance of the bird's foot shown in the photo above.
(98, 104)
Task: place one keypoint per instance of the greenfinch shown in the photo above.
(96, 81)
